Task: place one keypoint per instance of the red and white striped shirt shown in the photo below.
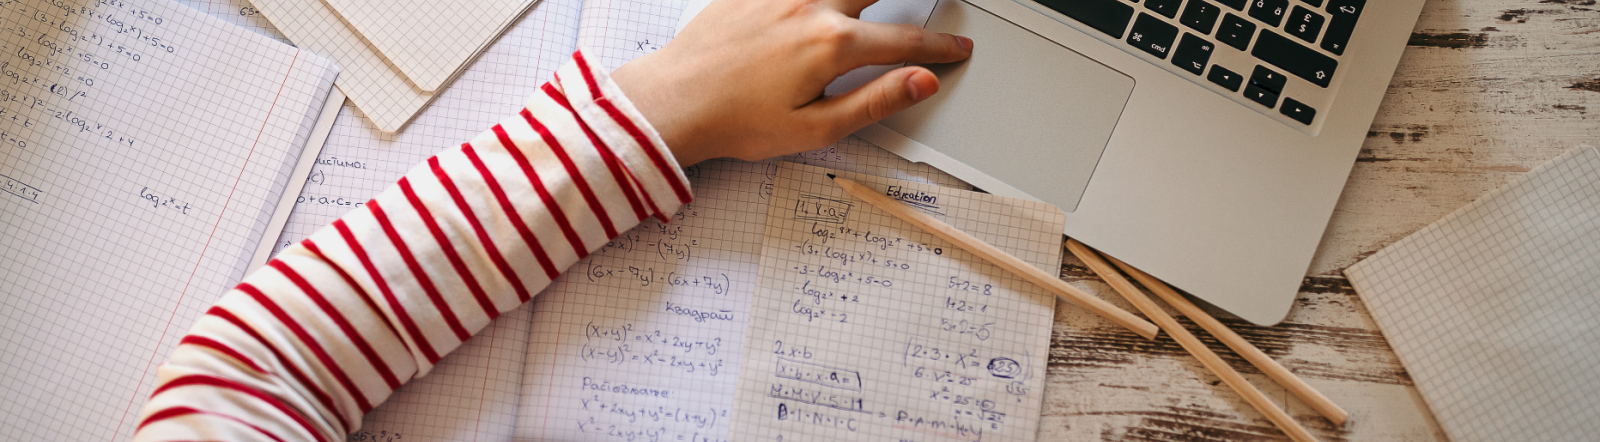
(332, 326)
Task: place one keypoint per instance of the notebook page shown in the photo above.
(1492, 308)
(429, 41)
(866, 327)
(143, 155)
(618, 31)
(471, 394)
(382, 94)
(643, 337)
(240, 13)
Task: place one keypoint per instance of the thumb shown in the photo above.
(888, 94)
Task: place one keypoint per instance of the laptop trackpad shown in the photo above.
(1023, 109)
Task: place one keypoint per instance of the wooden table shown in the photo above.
(1487, 90)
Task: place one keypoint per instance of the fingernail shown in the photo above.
(911, 87)
(966, 43)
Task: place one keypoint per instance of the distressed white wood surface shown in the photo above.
(1487, 90)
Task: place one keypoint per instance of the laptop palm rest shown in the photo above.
(1023, 110)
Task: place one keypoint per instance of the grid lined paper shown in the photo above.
(139, 170)
(384, 96)
(429, 42)
(865, 327)
(238, 12)
(1493, 308)
(618, 31)
(644, 336)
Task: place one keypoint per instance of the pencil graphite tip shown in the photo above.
(832, 176)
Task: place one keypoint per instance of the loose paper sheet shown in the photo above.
(1493, 308)
(644, 337)
(866, 327)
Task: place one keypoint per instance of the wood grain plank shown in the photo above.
(1486, 90)
(1123, 387)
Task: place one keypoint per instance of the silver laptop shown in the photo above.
(1203, 141)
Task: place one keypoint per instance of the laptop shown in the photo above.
(1203, 141)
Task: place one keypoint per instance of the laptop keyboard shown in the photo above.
(1282, 37)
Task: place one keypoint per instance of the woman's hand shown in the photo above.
(745, 78)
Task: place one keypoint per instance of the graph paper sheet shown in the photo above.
(145, 147)
(618, 31)
(240, 13)
(429, 42)
(1493, 308)
(865, 327)
(643, 337)
(384, 96)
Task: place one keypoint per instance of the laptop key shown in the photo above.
(1298, 111)
(1317, 3)
(1269, 11)
(1108, 16)
(1264, 97)
(1341, 22)
(1305, 24)
(1168, 8)
(1236, 32)
(1152, 35)
(1267, 79)
(1200, 16)
(1299, 60)
(1237, 5)
(1225, 78)
(1193, 53)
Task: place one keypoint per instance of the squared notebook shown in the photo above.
(1495, 309)
(149, 156)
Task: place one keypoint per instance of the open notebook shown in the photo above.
(146, 151)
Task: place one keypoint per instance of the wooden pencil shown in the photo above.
(1189, 342)
(1239, 345)
(1000, 258)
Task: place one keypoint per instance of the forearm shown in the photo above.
(332, 326)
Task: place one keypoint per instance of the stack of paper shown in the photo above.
(395, 55)
(430, 42)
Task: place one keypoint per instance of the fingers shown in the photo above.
(891, 93)
(884, 43)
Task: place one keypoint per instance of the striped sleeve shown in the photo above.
(332, 326)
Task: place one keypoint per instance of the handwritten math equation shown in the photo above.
(159, 201)
(837, 286)
(62, 53)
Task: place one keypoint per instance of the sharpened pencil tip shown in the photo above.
(832, 176)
